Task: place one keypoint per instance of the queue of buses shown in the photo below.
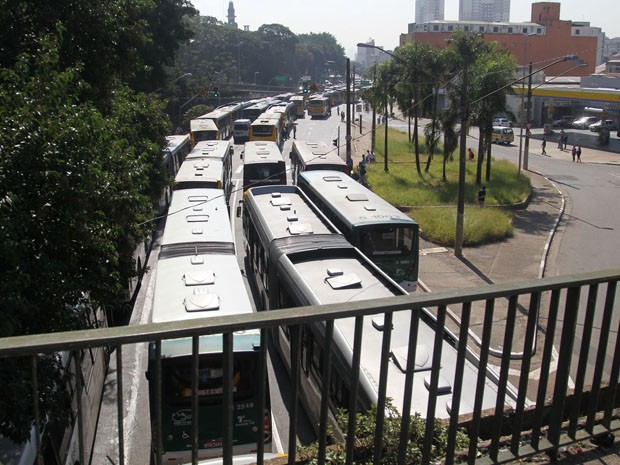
(322, 239)
(257, 119)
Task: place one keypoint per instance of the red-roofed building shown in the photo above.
(544, 39)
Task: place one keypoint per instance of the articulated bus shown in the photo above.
(300, 105)
(203, 129)
(319, 107)
(263, 164)
(383, 233)
(287, 110)
(174, 154)
(198, 276)
(208, 165)
(312, 155)
(267, 126)
(298, 258)
(222, 117)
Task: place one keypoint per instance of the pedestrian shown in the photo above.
(565, 140)
(544, 145)
(350, 166)
(294, 130)
(482, 193)
(470, 154)
(561, 139)
(579, 154)
(574, 153)
(362, 171)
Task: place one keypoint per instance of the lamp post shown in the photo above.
(175, 80)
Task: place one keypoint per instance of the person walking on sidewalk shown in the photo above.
(579, 154)
(573, 153)
(561, 140)
(544, 145)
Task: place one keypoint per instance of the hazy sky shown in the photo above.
(358, 20)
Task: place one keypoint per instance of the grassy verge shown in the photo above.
(433, 200)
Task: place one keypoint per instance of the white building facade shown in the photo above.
(429, 10)
(484, 10)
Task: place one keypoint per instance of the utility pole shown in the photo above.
(528, 115)
(348, 136)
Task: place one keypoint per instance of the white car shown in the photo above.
(607, 123)
(503, 122)
(584, 122)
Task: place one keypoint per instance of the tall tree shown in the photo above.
(113, 40)
(492, 74)
(467, 47)
(75, 187)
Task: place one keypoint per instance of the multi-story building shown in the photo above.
(368, 56)
(429, 10)
(542, 40)
(484, 10)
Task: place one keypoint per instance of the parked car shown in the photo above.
(609, 124)
(584, 122)
(503, 122)
(502, 135)
(563, 122)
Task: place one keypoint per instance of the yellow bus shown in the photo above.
(319, 107)
(300, 105)
(222, 117)
(267, 127)
(203, 129)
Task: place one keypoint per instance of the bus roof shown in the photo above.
(285, 211)
(261, 151)
(211, 149)
(355, 204)
(200, 172)
(316, 153)
(197, 218)
(176, 141)
(202, 125)
(186, 291)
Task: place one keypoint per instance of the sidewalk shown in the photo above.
(523, 256)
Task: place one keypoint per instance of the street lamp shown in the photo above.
(175, 80)
(385, 155)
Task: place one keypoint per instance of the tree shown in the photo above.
(113, 41)
(467, 47)
(76, 191)
(492, 72)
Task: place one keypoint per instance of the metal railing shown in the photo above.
(561, 396)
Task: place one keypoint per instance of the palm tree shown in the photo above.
(492, 73)
(468, 47)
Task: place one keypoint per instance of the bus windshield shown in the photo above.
(397, 240)
(261, 173)
(262, 129)
(177, 378)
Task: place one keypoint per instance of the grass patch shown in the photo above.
(433, 200)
